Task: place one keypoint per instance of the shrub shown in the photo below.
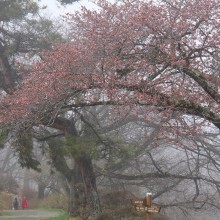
(58, 201)
(6, 200)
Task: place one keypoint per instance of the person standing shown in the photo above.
(15, 203)
(24, 203)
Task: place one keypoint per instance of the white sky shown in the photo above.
(55, 9)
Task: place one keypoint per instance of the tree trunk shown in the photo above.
(84, 199)
(7, 77)
(89, 186)
(41, 190)
(73, 208)
(26, 183)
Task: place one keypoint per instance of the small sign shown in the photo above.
(137, 201)
(140, 208)
(153, 209)
(146, 205)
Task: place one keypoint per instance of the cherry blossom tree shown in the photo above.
(160, 54)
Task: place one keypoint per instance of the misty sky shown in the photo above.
(55, 9)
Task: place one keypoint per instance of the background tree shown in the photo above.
(23, 32)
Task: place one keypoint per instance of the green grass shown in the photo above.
(63, 216)
(4, 213)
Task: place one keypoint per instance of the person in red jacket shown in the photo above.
(24, 203)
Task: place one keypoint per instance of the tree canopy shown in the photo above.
(23, 33)
(162, 54)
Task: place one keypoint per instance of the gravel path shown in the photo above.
(28, 214)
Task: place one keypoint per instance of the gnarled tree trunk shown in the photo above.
(89, 186)
(83, 194)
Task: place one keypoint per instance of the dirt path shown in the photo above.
(29, 214)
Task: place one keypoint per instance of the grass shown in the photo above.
(63, 216)
(3, 213)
